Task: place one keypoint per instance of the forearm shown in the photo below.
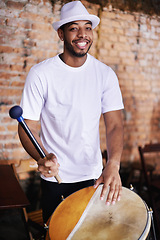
(114, 141)
(114, 138)
(26, 142)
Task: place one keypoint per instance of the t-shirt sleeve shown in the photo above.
(111, 96)
(33, 96)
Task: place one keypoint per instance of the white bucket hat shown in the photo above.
(74, 11)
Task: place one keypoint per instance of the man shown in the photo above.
(68, 93)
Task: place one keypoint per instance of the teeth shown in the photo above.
(82, 44)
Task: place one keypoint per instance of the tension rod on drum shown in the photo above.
(131, 187)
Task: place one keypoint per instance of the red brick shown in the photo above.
(2, 21)
(10, 92)
(4, 67)
(42, 27)
(6, 49)
(4, 75)
(5, 137)
(31, 16)
(4, 107)
(2, 128)
(17, 68)
(35, 2)
(16, 5)
(12, 145)
(29, 43)
(6, 31)
(17, 84)
(13, 128)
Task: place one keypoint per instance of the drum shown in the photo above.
(83, 215)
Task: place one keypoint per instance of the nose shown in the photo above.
(81, 33)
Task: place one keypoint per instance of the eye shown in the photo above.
(73, 29)
(88, 28)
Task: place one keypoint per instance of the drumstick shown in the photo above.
(16, 113)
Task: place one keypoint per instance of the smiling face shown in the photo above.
(78, 38)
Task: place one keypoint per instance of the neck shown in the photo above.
(73, 61)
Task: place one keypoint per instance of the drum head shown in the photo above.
(128, 219)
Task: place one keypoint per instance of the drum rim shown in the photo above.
(148, 222)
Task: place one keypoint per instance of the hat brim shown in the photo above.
(88, 17)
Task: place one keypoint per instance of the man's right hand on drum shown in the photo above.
(48, 166)
(111, 179)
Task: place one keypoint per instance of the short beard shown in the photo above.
(71, 50)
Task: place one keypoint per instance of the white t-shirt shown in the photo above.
(69, 102)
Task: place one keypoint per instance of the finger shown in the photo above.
(50, 173)
(115, 195)
(43, 170)
(52, 160)
(119, 193)
(52, 157)
(50, 163)
(104, 191)
(110, 194)
(54, 169)
(98, 181)
(40, 167)
(40, 162)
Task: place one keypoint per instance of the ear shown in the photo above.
(60, 34)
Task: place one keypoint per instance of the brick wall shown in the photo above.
(128, 42)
